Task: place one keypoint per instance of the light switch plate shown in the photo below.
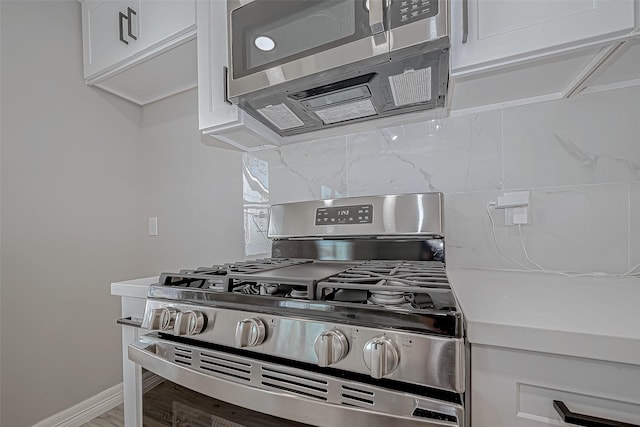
(153, 226)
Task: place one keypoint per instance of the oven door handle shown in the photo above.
(130, 321)
(144, 353)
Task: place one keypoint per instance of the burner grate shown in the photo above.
(264, 264)
(430, 274)
(398, 285)
(390, 284)
(215, 278)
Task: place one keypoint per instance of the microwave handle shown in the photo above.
(376, 16)
(225, 85)
(465, 21)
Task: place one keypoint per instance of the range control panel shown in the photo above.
(357, 214)
(404, 12)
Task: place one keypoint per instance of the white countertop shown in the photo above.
(136, 288)
(592, 317)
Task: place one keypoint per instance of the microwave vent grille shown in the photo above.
(349, 111)
(281, 116)
(411, 87)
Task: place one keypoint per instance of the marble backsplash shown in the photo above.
(579, 157)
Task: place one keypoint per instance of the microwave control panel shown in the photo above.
(404, 12)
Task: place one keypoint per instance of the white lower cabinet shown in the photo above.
(513, 388)
(132, 308)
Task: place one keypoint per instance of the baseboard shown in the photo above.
(97, 405)
(87, 410)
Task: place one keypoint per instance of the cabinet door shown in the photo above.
(212, 60)
(117, 30)
(218, 118)
(103, 24)
(163, 20)
(502, 30)
(513, 388)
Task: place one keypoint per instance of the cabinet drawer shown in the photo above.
(512, 388)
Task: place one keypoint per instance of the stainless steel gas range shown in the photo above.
(351, 322)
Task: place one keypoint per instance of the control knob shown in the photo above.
(331, 347)
(381, 356)
(162, 319)
(190, 322)
(250, 333)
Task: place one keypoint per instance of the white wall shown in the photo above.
(69, 206)
(1, 91)
(195, 191)
(81, 173)
(580, 157)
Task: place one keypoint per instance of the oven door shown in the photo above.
(172, 405)
(276, 41)
(294, 394)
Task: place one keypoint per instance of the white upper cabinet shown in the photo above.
(142, 50)
(218, 118)
(107, 25)
(499, 31)
(620, 70)
(523, 51)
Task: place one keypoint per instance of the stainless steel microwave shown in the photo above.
(305, 65)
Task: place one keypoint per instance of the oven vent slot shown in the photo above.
(296, 384)
(225, 367)
(359, 397)
(183, 356)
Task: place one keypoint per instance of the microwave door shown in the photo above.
(416, 22)
(278, 41)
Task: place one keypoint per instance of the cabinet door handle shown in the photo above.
(585, 420)
(465, 20)
(225, 85)
(122, 16)
(130, 12)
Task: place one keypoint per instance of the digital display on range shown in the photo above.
(340, 215)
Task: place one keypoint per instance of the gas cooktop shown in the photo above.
(413, 295)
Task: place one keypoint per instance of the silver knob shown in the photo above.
(331, 347)
(167, 318)
(381, 356)
(190, 322)
(161, 319)
(250, 333)
(152, 319)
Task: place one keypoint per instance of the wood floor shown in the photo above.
(112, 418)
(169, 405)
